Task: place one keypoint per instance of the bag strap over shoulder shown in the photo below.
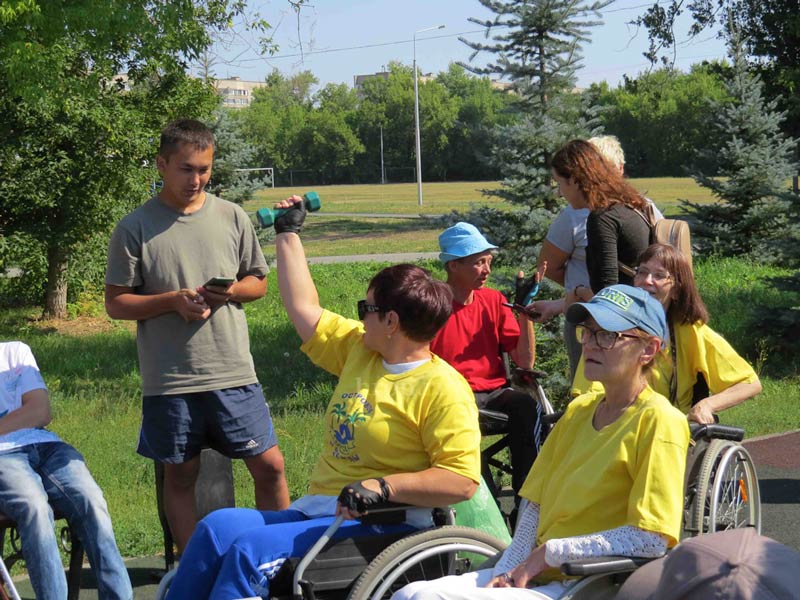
(649, 218)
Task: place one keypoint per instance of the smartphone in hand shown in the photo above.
(222, 282)
(520, 308)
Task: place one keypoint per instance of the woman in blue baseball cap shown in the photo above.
(609, 478)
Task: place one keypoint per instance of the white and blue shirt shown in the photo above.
(19, 374)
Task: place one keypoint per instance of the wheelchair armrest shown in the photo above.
(603, 565)
(385, 513)
(714, 431)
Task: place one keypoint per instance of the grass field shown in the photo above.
(440, 198)
(91, 369)
(352, 234)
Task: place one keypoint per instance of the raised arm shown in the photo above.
(297, 289)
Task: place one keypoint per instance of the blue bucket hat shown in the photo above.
(621, 307)
(460, 240)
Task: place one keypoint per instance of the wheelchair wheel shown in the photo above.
(425, 555)
(727, 493)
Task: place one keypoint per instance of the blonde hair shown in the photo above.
(610, 148)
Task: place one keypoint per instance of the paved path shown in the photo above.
(777, 460)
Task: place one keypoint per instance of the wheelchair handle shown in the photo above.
(714, 431)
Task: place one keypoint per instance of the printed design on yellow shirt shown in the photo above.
(343, 424)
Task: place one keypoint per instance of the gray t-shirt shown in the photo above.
(154, 250)
(568, 233)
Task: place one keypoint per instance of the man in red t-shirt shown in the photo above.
(478, 332)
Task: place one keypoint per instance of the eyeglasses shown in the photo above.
(364, 308)
(605, 340)
(658, 276)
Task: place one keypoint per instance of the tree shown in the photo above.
(537, 47)
(481, 108)
(327, 145)
(752, 158)
(276, 116)
(661, 117)
(233, 152)
(768, 30)
(76, 136)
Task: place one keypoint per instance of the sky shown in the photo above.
(338, 39)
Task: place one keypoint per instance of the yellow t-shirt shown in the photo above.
(379, 423)
(628, 473)
(700, 350)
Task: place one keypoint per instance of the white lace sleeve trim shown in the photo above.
(621, 541)
(524, 540)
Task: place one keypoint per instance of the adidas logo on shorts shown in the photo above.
(251, 444)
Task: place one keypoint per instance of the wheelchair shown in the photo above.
(494, 463)
(376, 566)
(721, 492)
(721, 482)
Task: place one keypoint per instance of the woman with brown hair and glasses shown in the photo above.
(402, 426)
(700, 373)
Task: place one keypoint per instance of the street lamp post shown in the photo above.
(416, 114)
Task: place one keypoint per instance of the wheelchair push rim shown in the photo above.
(423, 556)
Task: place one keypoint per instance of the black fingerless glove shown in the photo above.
(359, 499)
(292, 220)
(523, 288)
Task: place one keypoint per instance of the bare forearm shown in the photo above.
(138, 307)
(704, 411)
(524, 354)
(297, 289)
(432, 487)
(248, 289)
(34, 412)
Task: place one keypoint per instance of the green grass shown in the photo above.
(441, 198)
(339, 235)
(95, 386)
(328, 236)
(393, 198)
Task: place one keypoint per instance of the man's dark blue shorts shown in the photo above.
(234, 421)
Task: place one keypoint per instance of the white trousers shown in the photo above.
(470, 587)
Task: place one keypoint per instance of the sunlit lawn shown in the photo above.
(337, 235)
(393, 198)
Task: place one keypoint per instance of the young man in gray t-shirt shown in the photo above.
(199, 384)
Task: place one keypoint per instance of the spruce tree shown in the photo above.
(234, 152)
(752, 207)
(537, 46)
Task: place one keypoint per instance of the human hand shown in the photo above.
(357, 498)
(521, 575)
(292, 220)
(216, 295)
(544, 310)
(701, 413)
(191, 305)
(526, 290)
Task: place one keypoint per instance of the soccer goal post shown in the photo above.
(266, 174)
